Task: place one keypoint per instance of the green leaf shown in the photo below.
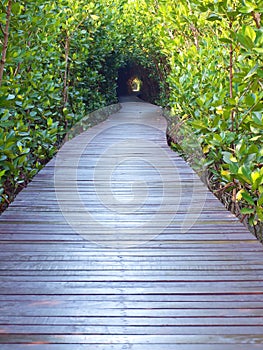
(247, 211)
(258, 107)
(248, 7)
(239, 194)
(226, 40)
(229, 158)
(252, 71)
(258, 50)
(256, 138)
(253, 149)
(250, 33)
(17, 8)
(252, 220)
(245, 41)
(250, 100)
(33, 114)
(94, 17)
(19, 161)
(259, 39)
(214, 17)
(49, 122)
(11, 97)
(257, 179)
(246, 196)
(3, 157)
(246, 173)
(2, 173)
(260, 213)
(198, 124)
(260, 200)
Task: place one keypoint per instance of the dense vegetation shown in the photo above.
(62, 60)
(59, 62)
(210, 63)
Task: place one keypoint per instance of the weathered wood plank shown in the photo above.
(135, 316)
(132, 339)
(206, 327)
(49, 346)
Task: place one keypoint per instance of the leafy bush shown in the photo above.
(54, 72)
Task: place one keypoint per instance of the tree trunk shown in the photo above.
(5, 44)
(231, 76)
(195, 34)
(65, 88)
(256, 17)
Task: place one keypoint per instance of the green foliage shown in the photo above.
(47, 86)
(62, 62)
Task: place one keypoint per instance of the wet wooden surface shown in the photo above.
(116, 244)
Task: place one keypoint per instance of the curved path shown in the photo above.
(117, 244)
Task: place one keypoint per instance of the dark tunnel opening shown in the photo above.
(136, 80)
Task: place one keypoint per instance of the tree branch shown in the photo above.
(231, 77)
(65, 88)
(257, 17)
(6, 37)
(2, 29)
(223, 189)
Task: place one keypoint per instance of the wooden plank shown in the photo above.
(163, 329)
(58, 253)
(127, 302)
(57, 288)
(194, 266)
(133, 339)
(190, 297)
(66, 247)
(136, 316)
(118, 277)
(49, 346)
(169, 257)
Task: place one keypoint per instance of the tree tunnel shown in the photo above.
(134, 79)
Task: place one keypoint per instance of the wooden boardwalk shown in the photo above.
(116, 244)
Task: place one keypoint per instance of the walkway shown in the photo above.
(116, 244)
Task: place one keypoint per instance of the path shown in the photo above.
(116, 244)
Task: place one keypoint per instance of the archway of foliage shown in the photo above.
(62, 61)
(147, 80)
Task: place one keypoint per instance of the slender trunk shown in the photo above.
(65, 88)
(193, 28)
(195, 34)
(231, 76)
(5, 44)
(234, 201)
(17, 69)
(256, 17)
